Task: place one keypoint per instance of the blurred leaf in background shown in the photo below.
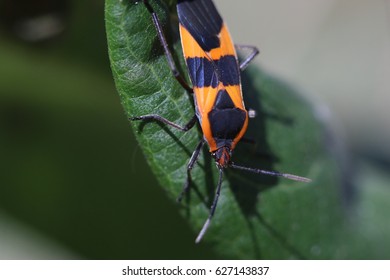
(70, 170)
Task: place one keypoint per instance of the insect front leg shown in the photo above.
(212, 209)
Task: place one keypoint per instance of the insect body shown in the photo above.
(215, 75)
(214, 71)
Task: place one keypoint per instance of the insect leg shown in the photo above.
(254, 51)
(158, 118)
(212, 209)
(190, 165)
(167, 52)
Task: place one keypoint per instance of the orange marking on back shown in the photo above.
(226, 46)
(190, 47)
(205, 100)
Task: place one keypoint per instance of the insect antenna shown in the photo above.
(271, 173)
(212, 209)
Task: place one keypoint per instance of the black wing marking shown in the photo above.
(202, 20)
(226, 120)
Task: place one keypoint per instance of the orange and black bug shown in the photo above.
(214, 71)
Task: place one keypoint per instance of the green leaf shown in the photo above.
(257, 216)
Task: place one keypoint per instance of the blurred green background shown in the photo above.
(73, 182)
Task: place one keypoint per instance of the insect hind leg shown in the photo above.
(164, 44)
